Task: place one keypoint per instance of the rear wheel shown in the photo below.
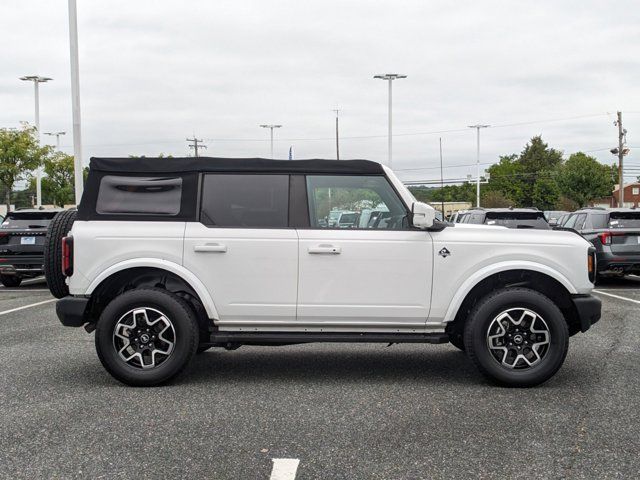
(11, 280)
(517, 337)
(57, 230)
(146, 336)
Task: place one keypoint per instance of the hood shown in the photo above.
(499, 234)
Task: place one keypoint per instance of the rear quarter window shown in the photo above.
(122, 195)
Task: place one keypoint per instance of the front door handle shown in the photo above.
(325, 249)
(210, 247)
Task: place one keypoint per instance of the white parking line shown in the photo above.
(28, 306)
(284, 468)
(617, 296)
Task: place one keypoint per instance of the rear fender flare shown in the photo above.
(179, 270)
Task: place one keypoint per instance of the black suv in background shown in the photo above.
(506, 217)
(22, 238)
(615, 233)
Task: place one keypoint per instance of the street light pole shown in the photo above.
(390, 77)
(78, 177)
(57, 135)
(271, 127)
(337, 110)
(37, 79)
(478, 127)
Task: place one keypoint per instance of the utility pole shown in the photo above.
(337, 136)
(271, 127)
(57, 135)
(78, 177)
(621, 151)
(37, 80)
(478, 127)
(390, 77)
(194, 144)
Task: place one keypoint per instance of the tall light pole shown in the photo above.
(57, 135)
(271, 127)
(478, 127)
(37, 80)
(78, 178)
(390, 77)
(337, 110)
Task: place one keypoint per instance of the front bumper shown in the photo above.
(71, 311)
(588, 308)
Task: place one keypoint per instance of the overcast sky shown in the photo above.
(155, 72)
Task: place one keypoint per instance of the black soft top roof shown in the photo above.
(213, 164)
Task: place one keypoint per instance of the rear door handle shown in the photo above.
(210, 247)
(325, 249)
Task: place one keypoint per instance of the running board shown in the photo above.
(266, 338)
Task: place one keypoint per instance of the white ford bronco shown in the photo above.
(167, 257)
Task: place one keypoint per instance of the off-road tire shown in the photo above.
(483, 314)
(11, 280)
(177, 311)
(57, 230)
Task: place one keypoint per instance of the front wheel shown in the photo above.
(517, 337)
(146, 336)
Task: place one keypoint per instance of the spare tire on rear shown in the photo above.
(58, 229)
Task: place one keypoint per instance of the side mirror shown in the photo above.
(422, 215)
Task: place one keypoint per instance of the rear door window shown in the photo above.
(245, 201)
(124, 195)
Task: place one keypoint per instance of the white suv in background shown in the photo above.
(170, 256)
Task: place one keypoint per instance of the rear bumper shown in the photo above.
(21, 264)
(71, 311)
(609, 262)
(589, 309)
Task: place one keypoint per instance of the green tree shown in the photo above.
(495, 199)
(58, 184)
(582, 178)
(545, 193)
(505, 177)
(538, 162)
(20, 153)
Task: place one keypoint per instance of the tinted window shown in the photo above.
(139, 195)
(518, 219)
(599, 221)
(576, 221)
(28, 219)
(257, 201)
(354, 202)
(624, 220)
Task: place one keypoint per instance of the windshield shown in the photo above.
(624, 220)
(28, 219)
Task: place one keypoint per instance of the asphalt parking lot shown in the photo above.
(345, 411)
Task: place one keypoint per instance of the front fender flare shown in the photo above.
(161, 264)
(489, 270)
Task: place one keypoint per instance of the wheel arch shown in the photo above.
(536, 277)
(143, 271)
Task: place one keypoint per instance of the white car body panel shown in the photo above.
(254, 280)
(380, 279)
(99, 245)
(478, 251)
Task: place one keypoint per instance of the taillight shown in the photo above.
(67, 256)
(605, 237)
(591, 264)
